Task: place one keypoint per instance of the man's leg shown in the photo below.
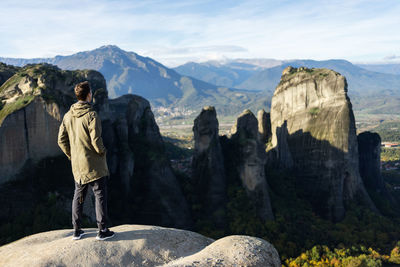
(99, 188)
(77, 204)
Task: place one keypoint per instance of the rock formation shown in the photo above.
(264, 126)
(36, 99)
(252, 160)
(369, 150)
(208, 164)
(137, 157)
(313, 132)
(138, 245)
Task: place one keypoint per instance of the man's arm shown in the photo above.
(95, 134)
(63, 140)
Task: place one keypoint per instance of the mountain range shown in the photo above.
(128, 72)
(392, 68)
(371, 92)
(252, 76)
(230, 85)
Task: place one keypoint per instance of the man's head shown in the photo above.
(83, 91)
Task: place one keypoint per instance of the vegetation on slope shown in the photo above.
(21, 102)
(389, 131)
(42, 80)
(342, 256)
(363, 238)
(390, 154)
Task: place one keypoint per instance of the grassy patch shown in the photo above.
(9, 108)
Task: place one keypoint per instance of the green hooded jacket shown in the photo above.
(79, 137)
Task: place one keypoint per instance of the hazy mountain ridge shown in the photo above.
(128, 72)
(229, 73)
(266, 79)
(216, 74)
(390, 68)
(183, 91)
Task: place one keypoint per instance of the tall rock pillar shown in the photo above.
(208, 164)
(251, 168)
(313, 131)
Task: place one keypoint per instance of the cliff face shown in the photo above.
(220, 163)
(208, 165)
(369, 148)
(251, 167)
(313, 132)
(29, 133)
(138, 161)
(34, 102)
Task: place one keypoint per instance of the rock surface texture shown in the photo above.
(369, 149)
(138, 245)
(264, 126)
(208, 164)
(313, 132)
(138, 160)
(251, 168)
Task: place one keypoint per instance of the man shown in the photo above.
(79, 137)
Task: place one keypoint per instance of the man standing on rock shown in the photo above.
(79, 137)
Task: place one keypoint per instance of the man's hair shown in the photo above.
(82, 90)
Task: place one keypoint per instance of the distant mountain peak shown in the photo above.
(109, 47)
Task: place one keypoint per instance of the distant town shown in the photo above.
(390, 144)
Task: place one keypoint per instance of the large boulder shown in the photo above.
(208, 164)
(138, 245)
(251, 164)
(313, 132)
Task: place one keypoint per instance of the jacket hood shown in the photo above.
(80, 108)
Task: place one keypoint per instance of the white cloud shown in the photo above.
(177, 31)
(391, 57)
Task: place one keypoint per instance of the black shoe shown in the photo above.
(78, 234)
(104, 235)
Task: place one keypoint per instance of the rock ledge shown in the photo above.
(138, 245)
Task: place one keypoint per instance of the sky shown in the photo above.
(175, 32)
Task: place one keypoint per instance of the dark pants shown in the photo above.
(99, 188)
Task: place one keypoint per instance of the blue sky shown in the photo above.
(174, 32)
